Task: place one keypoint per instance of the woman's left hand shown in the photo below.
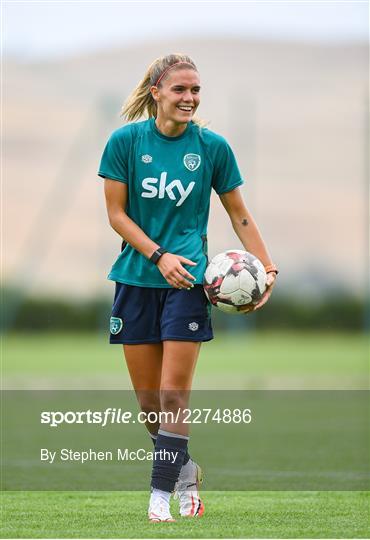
(271, 278)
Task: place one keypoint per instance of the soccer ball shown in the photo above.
(234, 278)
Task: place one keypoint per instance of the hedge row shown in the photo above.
(342, 312)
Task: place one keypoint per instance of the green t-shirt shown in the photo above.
(169, 186)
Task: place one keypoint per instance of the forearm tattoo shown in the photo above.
(245, 222)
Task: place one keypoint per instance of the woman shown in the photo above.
(159, 174)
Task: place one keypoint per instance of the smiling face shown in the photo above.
(177, 96)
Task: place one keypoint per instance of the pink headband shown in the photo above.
(170, 67)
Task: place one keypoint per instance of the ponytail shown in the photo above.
(140, 102)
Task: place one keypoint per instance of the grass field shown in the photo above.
(252, 361)
(228, 515)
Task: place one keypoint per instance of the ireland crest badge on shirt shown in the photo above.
(192, 161)
(116, 324)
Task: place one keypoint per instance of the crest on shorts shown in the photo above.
(192, 161)
(193, 326)
(116, 325)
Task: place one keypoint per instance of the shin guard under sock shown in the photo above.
(187, 455)
(169, 454)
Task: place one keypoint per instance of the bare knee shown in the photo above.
(149, 401)
(172, 400)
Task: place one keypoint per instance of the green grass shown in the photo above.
(273, 360)
(262, 360)
(228, 515)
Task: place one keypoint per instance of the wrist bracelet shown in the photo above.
(157, 255)
(271, 268)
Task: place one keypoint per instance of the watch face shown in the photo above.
(156, 256)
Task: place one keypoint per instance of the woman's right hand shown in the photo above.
(174, 273)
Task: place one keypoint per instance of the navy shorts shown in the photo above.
(150, 315)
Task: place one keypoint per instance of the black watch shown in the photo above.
(157, 255)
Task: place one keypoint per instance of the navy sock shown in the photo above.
(187, 455)
(170, 449)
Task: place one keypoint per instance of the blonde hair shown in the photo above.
(141, 103)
